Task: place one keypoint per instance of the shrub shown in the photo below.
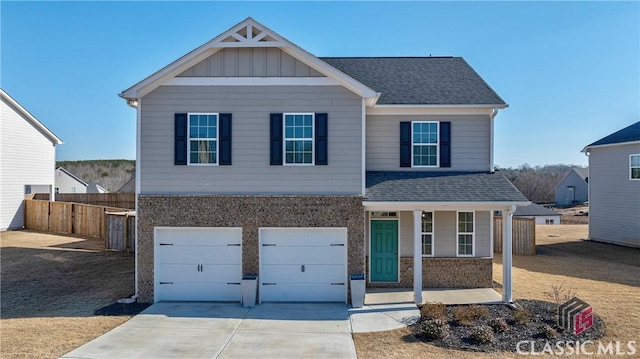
(482, 334)
(559, 294)
(466, 315)
(435, 328)
(433, 311)
(548, 332)
(521, 315)
(498, 325)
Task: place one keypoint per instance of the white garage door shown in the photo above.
(198, 264)
(303, 264)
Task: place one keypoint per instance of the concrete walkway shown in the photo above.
(227, 330)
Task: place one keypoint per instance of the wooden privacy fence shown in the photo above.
(115, 227)
(523, 236)
(114, 200)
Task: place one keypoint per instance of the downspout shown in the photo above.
(494, 113)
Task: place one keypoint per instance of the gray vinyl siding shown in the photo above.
(251, 172)
(28, 158)
(614, 203)
(470, 142)
(250, 62)
(562, 190)
(445, 234)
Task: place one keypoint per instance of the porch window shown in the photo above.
(634, 167)
(427, 234)
(465, 233)
(424, 144)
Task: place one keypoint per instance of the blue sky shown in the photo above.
(570, 71)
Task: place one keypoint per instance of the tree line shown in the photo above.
(536, 183)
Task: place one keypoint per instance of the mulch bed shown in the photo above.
(542, 313)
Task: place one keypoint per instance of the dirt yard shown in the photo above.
(51, 286)
(605, 276)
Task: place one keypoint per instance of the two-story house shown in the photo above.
(614, 187)
(256, 157)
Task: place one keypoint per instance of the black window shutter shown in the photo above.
(276, 139)
(225, 139)
(321, 138)
(445, 144)
(180, 139)
(405, 144)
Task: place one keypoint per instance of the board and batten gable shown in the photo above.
(251, 172)
(614, 199)
(250, 62)
(28, 158)
(470, 142)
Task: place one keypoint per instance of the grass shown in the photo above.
(51, 286)
(605, 276)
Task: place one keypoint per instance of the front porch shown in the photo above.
(447, 296)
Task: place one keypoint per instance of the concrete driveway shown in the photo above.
(227, 330)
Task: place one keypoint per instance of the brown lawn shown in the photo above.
(51, 286)
(606, 276)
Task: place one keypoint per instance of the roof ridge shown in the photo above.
(389, 57)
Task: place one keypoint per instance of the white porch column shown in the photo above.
(417, 256)
(507, 217)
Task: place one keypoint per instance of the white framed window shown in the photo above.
(634, 167)
(427, 234)
(298, 138)
(384, 214)
(549, 221)
(425, 144)
(203, 139)
(466, 234)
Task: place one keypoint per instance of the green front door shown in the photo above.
(384, 251)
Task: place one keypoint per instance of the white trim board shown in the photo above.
(251, 81)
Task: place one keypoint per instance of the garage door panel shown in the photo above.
(199, 254)
(190, 273)
(312, 273)
(191, 291)
(304, 292)
(303, 255)
(199, 236)
(304, 236)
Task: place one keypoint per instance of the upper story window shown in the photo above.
(424, 144)
(634, 167)
(427, 233)
(298, 138)
(203, 138)
(466, 231)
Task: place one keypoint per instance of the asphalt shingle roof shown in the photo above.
(440, 187)
(627, 134)
(582, 172)
(419, 80)
(534, 210)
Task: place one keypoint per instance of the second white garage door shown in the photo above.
(303, 264)
(198, 264)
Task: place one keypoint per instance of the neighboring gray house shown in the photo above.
(541, 214)
(257, 157)
(573, 187)
(129, 186)
(614, 187)
(23, 171)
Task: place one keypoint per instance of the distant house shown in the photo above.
(93, 187)
(541, 214)
(130, 186)
(614, 187)
(27, 160)
(573, 187)
(67, 182)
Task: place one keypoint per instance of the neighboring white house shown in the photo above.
(27, 160)
(573, 187)
(67, 182)
(541, 214)
(614, 187)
